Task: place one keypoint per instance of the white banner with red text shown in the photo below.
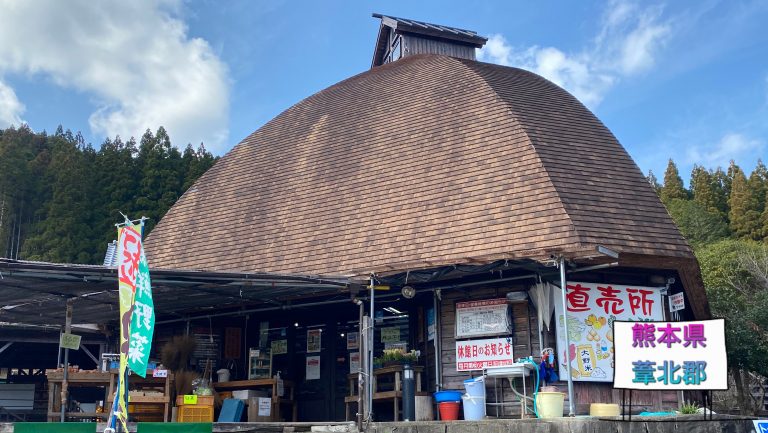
(485, 353)
(592, 309)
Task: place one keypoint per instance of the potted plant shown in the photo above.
(392, 357)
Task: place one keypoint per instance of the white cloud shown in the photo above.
(732, 145)
(134, 58)
(10, 107)
(627, 43)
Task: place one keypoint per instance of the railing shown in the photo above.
(7, 415)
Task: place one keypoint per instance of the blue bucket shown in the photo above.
(475, 387)
(447, 396)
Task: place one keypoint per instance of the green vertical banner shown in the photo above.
(142, 320)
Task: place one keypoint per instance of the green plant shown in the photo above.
(397, 355)
(689, 408)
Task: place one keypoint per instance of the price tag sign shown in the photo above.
(160, 373)
(69, 341)
(190, 399)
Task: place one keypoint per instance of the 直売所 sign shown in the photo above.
(670, 355)
(592, 308)
(481, 318)
(485, 353)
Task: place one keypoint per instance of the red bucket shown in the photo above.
(449, 410)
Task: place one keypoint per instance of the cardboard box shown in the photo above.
(248, 394)
(260, 410)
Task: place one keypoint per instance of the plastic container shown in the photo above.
(475, 387)
(447, 396)
(604, 409)
(449, 410)
(550, 404)
(223, 375)
(474, 408)
(195, 414)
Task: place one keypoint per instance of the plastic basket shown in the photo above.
(202, 400)
(195, 413)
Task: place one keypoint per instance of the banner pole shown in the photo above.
(563, 288)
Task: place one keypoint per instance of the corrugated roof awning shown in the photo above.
(35, 293)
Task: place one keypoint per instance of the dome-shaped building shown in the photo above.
(424, 167)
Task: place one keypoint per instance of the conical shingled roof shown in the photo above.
(428, 160)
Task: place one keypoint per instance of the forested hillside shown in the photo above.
(724, 216)
(60, 198)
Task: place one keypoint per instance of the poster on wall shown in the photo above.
(313, 368)
(352, 341)
(431, 324)
(390, 334)
(485, 353)
(671, 355)
(592, 309)
(279, 347)
(354, 362)
(314, 337)
(481, 318)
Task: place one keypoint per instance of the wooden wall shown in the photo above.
(421, 45)
(526, 324)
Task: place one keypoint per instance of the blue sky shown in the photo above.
(680, 79)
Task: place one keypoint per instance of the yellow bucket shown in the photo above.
(550, 404)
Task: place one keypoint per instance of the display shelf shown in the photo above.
(138, 383)
(75, 379)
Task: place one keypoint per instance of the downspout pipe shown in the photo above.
(370, 359)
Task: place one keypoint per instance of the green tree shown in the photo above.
(721, 185)
(117, 190)
(703, 189)
(673, 184)
(744, 213)
(195, 162)
(735, 275)
(161, 170)
(758, 180)
(24, 157)
(63, 234)
(698, 225)
(651, 178)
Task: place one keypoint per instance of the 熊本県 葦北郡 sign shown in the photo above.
(670, 355)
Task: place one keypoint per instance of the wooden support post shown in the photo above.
(64, 383)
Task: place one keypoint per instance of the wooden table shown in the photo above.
(277, 401)
(395, 394)
(95, 379)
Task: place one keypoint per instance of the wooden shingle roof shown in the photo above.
(425, 161)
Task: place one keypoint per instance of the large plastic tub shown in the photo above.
(447, 396)
(475, 387)
(474, 408)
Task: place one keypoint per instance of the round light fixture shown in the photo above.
(408, 292)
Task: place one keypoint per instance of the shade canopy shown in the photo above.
(36, 292)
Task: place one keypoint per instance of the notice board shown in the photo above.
(482, 318)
